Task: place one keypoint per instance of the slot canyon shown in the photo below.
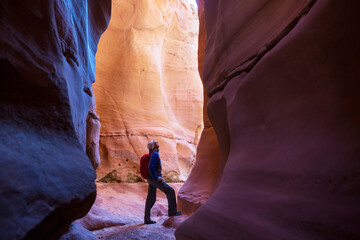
(253, 104)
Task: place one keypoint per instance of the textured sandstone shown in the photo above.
(47, 51)
(200, 183)
(148, 87)
(283, 81)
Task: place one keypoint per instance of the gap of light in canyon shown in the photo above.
(254, 105)
(148, 87)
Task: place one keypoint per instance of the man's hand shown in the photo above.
(160, 179)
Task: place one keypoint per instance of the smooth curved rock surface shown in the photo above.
(283, 84)
(148, 87)
(76, 232)
(201, 181)
(99, 218)
(47, 51)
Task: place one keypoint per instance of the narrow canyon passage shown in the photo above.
(274, 154)
(147, 87)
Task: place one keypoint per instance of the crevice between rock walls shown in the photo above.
(200, 184)
(148, 86)
(249, 64)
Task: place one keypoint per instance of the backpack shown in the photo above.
(144, 166)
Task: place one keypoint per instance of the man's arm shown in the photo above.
(153, 160)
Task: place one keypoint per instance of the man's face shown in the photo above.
(156, 146)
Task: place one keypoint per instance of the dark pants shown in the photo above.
(151, 197)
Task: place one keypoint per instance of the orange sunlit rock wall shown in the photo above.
(148, 87)
(283, 81)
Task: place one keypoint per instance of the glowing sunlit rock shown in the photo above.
(148, 87)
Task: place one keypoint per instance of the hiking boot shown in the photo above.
(175, 214)
(149, 221)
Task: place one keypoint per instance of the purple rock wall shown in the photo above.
(283, 81)
(47, 64)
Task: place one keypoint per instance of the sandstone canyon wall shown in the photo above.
(148, 87)
(47, 62)
(282, 77)
(201, 181)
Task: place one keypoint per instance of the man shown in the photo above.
(155, 182)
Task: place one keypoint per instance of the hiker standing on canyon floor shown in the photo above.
(150, 169)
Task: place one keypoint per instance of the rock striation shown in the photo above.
(282, 77)
(148, 87)
(47, 64)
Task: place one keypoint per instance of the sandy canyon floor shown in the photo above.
(118, 213)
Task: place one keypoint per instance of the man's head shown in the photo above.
(152, 145)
